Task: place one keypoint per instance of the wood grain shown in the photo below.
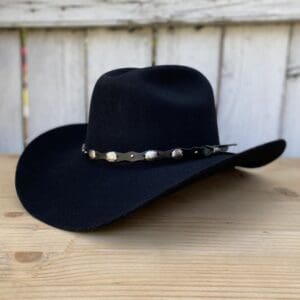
(11, 137)
(56, 79)
(110, 49)
(291, 107)
(196, 47)
(234, 235)
(54, 13)
(252, 84)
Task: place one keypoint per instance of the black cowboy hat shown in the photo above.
(150, 130)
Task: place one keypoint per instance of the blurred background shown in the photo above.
(52, 52)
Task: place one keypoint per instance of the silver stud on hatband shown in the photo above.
(111, 156)
(151, 155)
(92, 154)
(177, 153)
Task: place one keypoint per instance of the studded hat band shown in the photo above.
(152, 155)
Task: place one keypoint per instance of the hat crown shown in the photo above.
(159, 108)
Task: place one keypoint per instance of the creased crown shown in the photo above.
(159, 107)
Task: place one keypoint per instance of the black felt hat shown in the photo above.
(150, 130)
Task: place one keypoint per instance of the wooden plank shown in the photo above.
(56, 79)
(238, 241)
(54, 13)
(252, 84)
(195, 47)
(110, 49)
(291, 109)
(11, 140)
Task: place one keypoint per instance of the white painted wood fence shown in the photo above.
(249, 50)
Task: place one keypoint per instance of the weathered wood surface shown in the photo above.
(196, 47)
(240, 240)
(56, 79)
(11, 140)
(253, 68)
(252, 83)
(291, 106)
(40, 13)
(110, 49)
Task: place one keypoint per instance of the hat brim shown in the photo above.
(60, 187)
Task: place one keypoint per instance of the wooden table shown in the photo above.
(233, 235)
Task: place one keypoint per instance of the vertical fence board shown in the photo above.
(11, 137)
(195, 47)
(56, 79)
(291, 110)
(108, 49)
(252, 83)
